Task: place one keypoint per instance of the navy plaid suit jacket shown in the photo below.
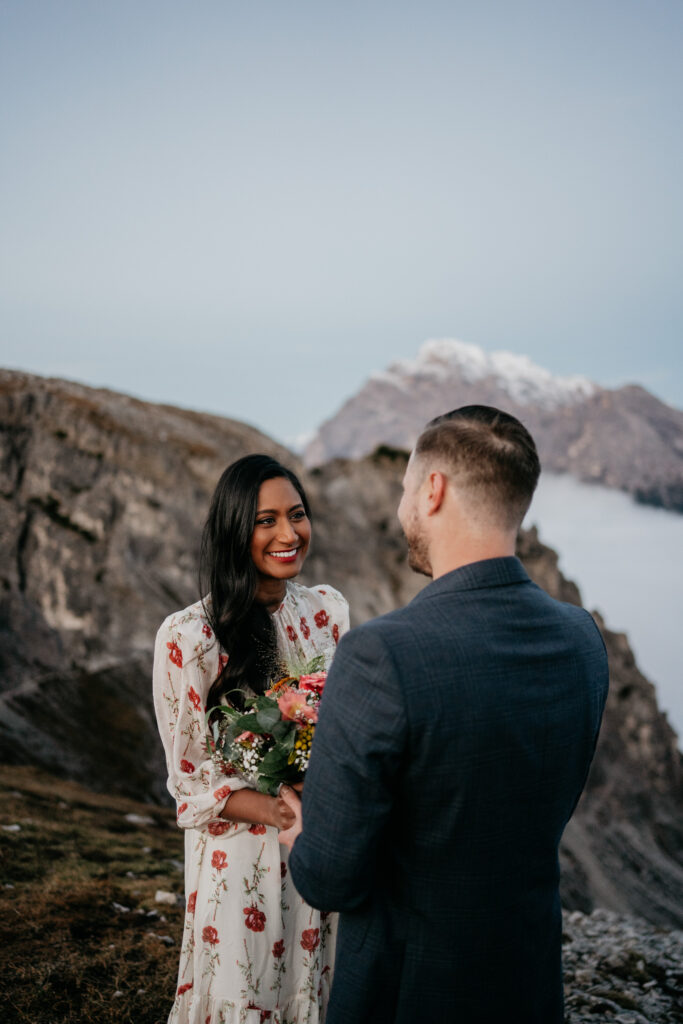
(454, 740)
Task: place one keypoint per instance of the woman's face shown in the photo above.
(282, 532)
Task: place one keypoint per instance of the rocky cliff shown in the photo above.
(101, 503)
(623, 438)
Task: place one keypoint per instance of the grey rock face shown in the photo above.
(102, 500)
(623, 438)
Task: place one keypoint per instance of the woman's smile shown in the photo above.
(285, 556)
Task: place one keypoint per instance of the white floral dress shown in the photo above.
(252, 950)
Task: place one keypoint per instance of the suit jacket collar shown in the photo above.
(491, 572)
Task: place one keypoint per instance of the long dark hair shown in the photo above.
(228, 578)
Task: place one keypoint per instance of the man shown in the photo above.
(454, 740)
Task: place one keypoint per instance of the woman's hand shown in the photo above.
(282, 816)
(289, 835)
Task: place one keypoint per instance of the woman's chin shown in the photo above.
(285, 571)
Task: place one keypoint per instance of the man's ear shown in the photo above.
(436, 492)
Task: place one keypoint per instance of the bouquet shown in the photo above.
(269, 742)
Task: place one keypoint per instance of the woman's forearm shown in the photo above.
(250, 807)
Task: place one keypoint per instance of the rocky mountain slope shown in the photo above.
(101, 503)
(623, 438)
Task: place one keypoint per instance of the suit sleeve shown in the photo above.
(351, 781)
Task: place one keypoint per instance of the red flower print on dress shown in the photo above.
(321, 618)
(305, 628)
(283, 869)
(257, 830)
(278, 949)
(265, 1014)
(310, 939)
(186, 766)
(218, 828)
(291, 634)
(335, 633)
(194, 697)
(206, 630)
(220, 794)
(210, 935)
(219, 860)
(175, 654)
(183, 807)
(192, 902)
(255, 919)
(321, 591)
(185, 988)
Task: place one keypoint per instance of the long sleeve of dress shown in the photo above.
(186, 662)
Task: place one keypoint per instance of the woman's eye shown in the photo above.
(265, 522)
(299, 515)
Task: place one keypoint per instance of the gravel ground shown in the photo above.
(621, 969)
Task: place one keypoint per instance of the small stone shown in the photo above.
(139, 819)
(166, 939)
(11, 828)
(120, 909)
(117, 994)
(8, 885)
(168, 898)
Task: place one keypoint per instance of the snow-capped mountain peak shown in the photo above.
(523, 380)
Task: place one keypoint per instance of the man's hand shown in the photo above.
(288, 836)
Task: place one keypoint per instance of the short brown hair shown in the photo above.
(490, 452)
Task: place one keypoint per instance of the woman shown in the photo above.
(252, 950)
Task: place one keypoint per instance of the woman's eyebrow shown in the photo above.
(274, 511)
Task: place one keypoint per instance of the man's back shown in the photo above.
(455, 739)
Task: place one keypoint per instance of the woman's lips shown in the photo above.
(285, 556)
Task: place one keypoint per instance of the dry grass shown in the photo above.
(67, 955)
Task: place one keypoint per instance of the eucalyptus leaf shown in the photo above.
(283, 730)
(274, 762)
(268, 717)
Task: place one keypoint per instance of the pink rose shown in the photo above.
(313, 683)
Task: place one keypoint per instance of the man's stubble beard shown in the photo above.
(418, 552)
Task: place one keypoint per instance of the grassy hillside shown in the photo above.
(70, 951)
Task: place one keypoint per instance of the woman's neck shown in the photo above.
(270, 593)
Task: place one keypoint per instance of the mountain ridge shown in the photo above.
(624, 438)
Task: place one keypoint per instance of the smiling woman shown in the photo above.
(281, 536)
(252, 949)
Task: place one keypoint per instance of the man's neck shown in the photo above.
(447, 559)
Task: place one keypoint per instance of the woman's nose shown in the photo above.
(287, 533)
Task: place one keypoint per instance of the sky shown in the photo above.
(249, 208)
